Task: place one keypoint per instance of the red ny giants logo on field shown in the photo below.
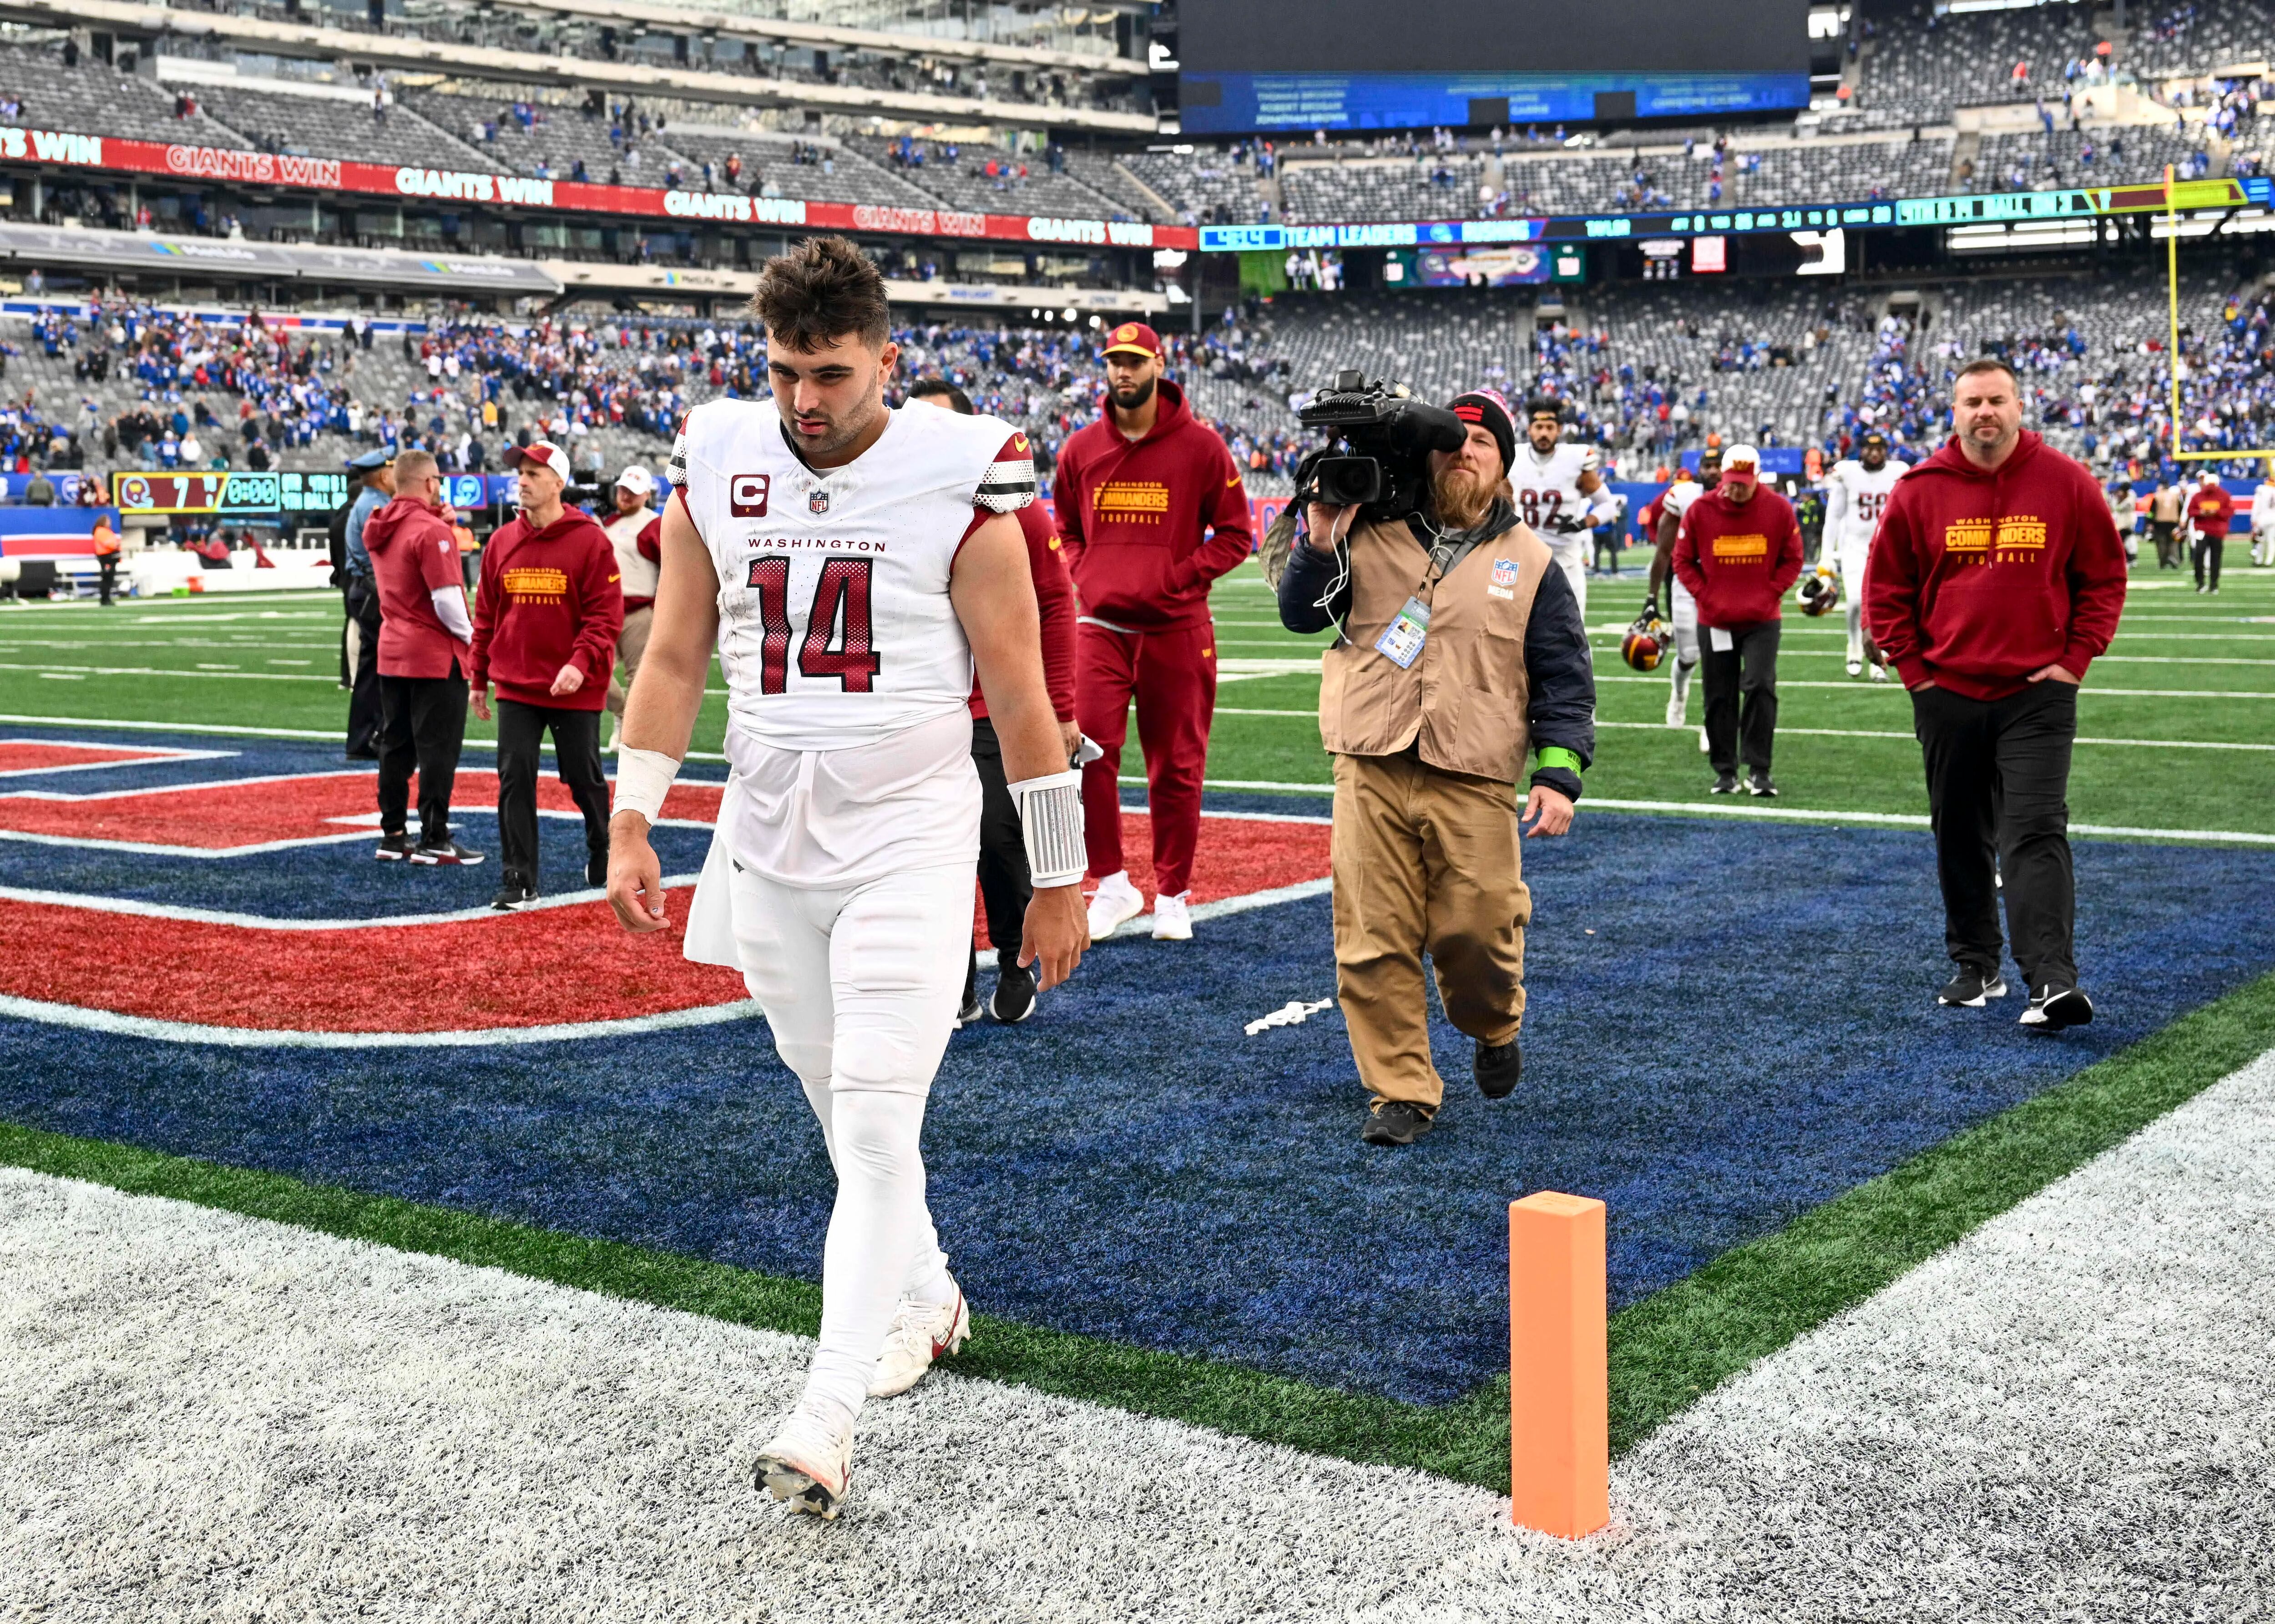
(747, 495)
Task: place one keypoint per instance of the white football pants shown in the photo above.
(1684, 610)
(1850, 561)
(860, 985)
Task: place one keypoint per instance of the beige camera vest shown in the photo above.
(1464, 700)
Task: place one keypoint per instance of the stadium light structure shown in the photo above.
(405, 53)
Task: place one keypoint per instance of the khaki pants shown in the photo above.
(631, 643)
(1425, 860)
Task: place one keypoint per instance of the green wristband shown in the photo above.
(1556, 755)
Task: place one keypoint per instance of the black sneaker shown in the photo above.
(596, 872)
(445, 853)
(1971, 987)
(2054, 1007)
(1725, 783)
(513, 896)
(1499, 1065)
(1760, 785)
(394, 847)
(1015, 992)
(1394, 1122)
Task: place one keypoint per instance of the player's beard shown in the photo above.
(1133, 398)
(1462, 497)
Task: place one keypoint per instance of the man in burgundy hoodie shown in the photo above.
(2211, 515)
(1738, 549)
(1996, 579)
(422, 648)
(1133, 494)
(544, 630)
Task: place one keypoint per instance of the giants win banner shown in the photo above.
(261, 169)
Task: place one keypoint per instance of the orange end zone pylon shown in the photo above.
(1560, 1466)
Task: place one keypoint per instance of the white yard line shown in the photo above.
(212, 1415)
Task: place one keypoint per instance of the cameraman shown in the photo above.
(1459, 646)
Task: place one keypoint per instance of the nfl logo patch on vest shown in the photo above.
(817, 502)
(1504, 579)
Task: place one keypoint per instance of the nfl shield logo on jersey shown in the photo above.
(817, 502)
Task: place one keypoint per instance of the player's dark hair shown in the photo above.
(941, 389)
(1988, 363)
(819, 291)
(1544, 406)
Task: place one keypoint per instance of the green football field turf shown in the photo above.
(2183, 717)
(2177, 721)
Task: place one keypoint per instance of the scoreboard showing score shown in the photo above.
(236, 495)
(1307, 64)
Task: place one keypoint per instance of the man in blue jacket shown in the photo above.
(1460, 651)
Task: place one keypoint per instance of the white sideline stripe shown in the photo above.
(202, 674)
(135, 848)
(2091, 690)
(256, 1038)
(153, 755)
(135, 907)
(237, 731)
(1656, 727)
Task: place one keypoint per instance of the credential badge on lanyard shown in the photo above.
(1401, 642)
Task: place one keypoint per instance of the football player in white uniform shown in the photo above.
(1682, 609)
(1855, 492)
(851, 564)
(2262, 523)
(1559, 491)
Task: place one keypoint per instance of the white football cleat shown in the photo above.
(1112, 904)
(1879, 673)
(1675, 707)
(807, 1463)
(1856, 667)
(920, 1333)
(1172, 918)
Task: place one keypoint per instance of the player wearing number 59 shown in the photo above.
(1461, 649)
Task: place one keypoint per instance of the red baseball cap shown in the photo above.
(540, 451)
(1133, 338)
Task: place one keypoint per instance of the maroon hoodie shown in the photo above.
(1736, 558)
(413, 556)
(549, 598)
(1132, 514)
(1977, 579)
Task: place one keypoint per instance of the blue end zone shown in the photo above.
(1750, 1032)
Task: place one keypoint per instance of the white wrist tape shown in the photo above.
(1050, 818)
(643, 779)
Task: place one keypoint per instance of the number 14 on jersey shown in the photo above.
(838, 642)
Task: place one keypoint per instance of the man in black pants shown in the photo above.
(546, 621)
(1004, 884)
(422, 647)
(373, 473)
(1738, 548)
(1996, 579)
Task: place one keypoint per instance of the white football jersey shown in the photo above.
(1547, 491)
(1855, 498)
(834, 625)
(1677, 498)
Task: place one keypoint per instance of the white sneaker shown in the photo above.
(807, 1463)
(1675, 707)
(1856, 667)
(1704, 749)
(921, 1332)
(1879, 673)
(1114, 902)
(1173, 919)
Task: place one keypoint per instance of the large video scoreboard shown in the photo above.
(1346, 65)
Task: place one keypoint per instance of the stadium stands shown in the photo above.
(330, 126)
(958, 177)
(95, 100)
(1206, 186)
